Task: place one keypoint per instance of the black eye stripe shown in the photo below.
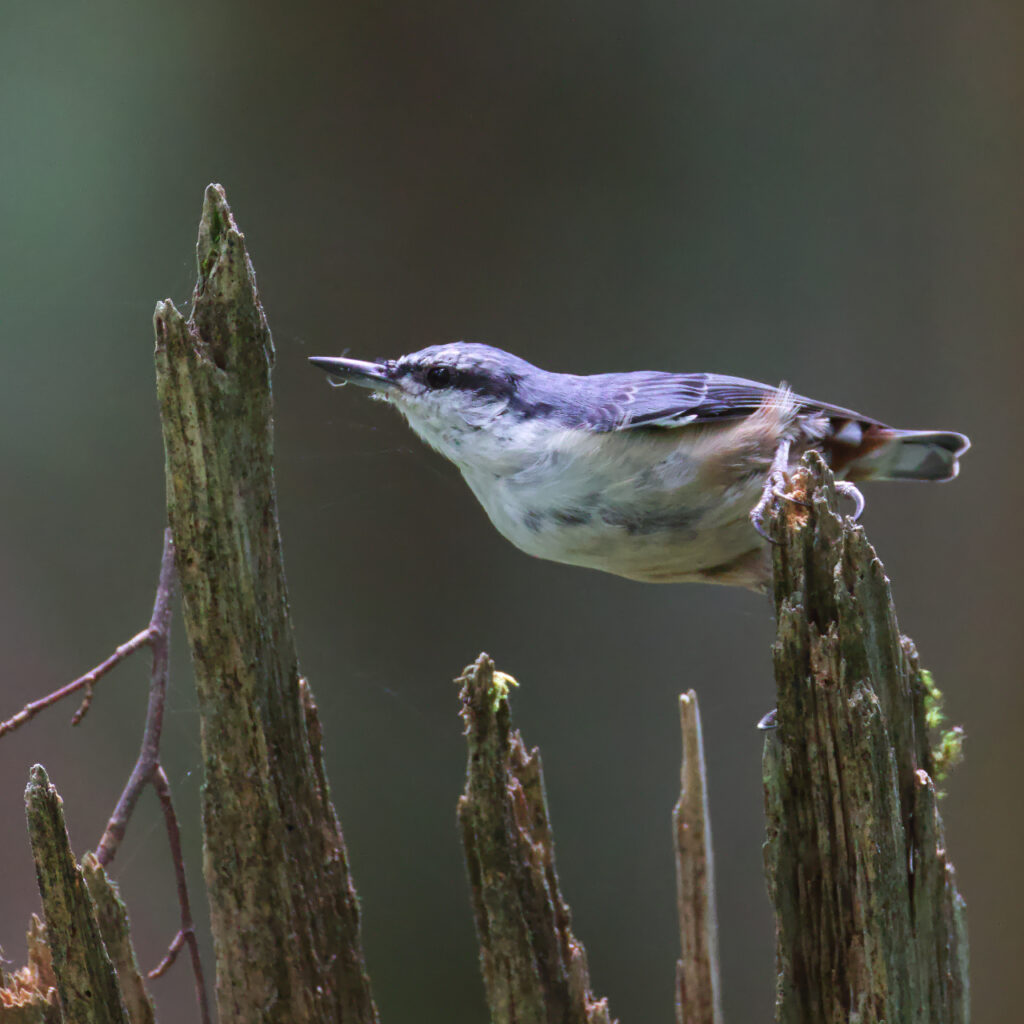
(439, 376)
(468, 380)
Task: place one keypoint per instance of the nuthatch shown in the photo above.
(660, 477)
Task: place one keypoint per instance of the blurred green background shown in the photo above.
(827, 194)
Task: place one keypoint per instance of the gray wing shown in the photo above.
(627, 401)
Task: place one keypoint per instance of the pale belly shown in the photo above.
(659, 505)
(631, 526)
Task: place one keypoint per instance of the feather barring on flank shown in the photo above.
(660, 477)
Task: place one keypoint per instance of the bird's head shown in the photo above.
(450, 394)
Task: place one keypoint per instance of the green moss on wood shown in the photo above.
(870, 926)
(86, 981)
(112, 917)
(535, 970)
(283, 910)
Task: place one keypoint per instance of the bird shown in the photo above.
(654, 476)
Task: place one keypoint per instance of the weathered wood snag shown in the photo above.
(112, 917)
(86, 980)
(698, 986)
(284, 913)
(870, 926)
(534, 968)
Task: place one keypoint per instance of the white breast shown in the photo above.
(637, 505)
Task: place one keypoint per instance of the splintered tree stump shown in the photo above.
(870, 926)
(284, 914)
(86, 980)
(534, 968)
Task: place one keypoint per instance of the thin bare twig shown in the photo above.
(29, 711)
(147, 769)
(187, 932)
(83, 708)
(158, 635)
(177, 943)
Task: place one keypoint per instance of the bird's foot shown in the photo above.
(774, 487)
(851, 491)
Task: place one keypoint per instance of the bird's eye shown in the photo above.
(439, 377)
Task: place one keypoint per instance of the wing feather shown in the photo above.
(630, 401)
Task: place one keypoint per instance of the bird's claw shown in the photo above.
(851, 491)
(757, 521)
(775, 487)
(757, 514)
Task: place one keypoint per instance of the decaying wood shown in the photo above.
(283, 910)
(29, 994)
(112, 917)
(870, 926)
(698, 988)
(86, 980)
(534, 968)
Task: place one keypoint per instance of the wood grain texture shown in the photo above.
(86, 980)
(534, 968)
(698, 986)
(870, 926)
(283, 909)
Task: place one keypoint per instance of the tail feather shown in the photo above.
(913, 455)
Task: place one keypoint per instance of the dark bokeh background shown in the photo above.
(828, 194)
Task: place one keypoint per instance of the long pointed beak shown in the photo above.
(354, 371)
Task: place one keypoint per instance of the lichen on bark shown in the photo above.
(86, 980)
(284, 913)
(534, 968)
(870, 925)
